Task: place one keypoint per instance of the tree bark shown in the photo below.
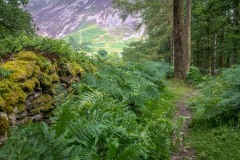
(234, 57)
(222, 50)
(188, 33)
(180, 55)
(213, 59)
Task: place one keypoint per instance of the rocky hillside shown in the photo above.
(58, 18)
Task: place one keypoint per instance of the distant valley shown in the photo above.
(94, 21)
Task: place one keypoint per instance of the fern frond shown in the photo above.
(4, 73)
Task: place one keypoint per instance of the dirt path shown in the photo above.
(184, 150)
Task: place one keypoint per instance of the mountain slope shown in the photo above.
(57, 18)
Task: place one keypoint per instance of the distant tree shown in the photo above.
(102, 52)
(14, 19)
(215, 34)
(84, 46)
(164, 22)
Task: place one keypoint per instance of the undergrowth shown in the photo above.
(215, 127)
(119, 111)
(219, 99)
(219, 143)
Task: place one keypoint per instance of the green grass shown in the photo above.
(108, 39)
(166, 104)
(221, 143)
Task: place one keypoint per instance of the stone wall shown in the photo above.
(29, 93)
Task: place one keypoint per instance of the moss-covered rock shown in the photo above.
(72, 68)
(12, 94)
(26, 56)
(42, 103)
(18, 108)
(30, 84)
(4, 126)
(45, 79)
(2, 103)
(21, 69)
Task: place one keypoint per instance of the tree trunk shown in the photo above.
(208, 60)
(180, 55)
(198, 64)
(213, 59)
(234, 56)
(188, 33)
(222, 49)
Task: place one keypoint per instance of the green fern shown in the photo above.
(220, 98)
(5, 73)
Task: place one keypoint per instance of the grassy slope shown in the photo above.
(108, 39)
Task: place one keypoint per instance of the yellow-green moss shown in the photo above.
(4, 107)
(44, 64)
(30, 84)
(12, 92)
(55, 78)
(74, 68)
(21, 69)
(18, 108)
(32, 70)
(53, 68)
(42, 103)
(46, 79)
(37, 72)
(2, 102)
(4, 126)
(26, 56)
(42, 99)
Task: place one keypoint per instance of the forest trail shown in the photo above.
(184, 150)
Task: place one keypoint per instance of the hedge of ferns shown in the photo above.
(103, 119)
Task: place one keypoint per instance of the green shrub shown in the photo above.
(220, 98)
(195, 76)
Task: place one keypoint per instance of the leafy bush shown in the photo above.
(220, 98)
(194, 76)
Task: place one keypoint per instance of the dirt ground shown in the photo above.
(184, 151)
